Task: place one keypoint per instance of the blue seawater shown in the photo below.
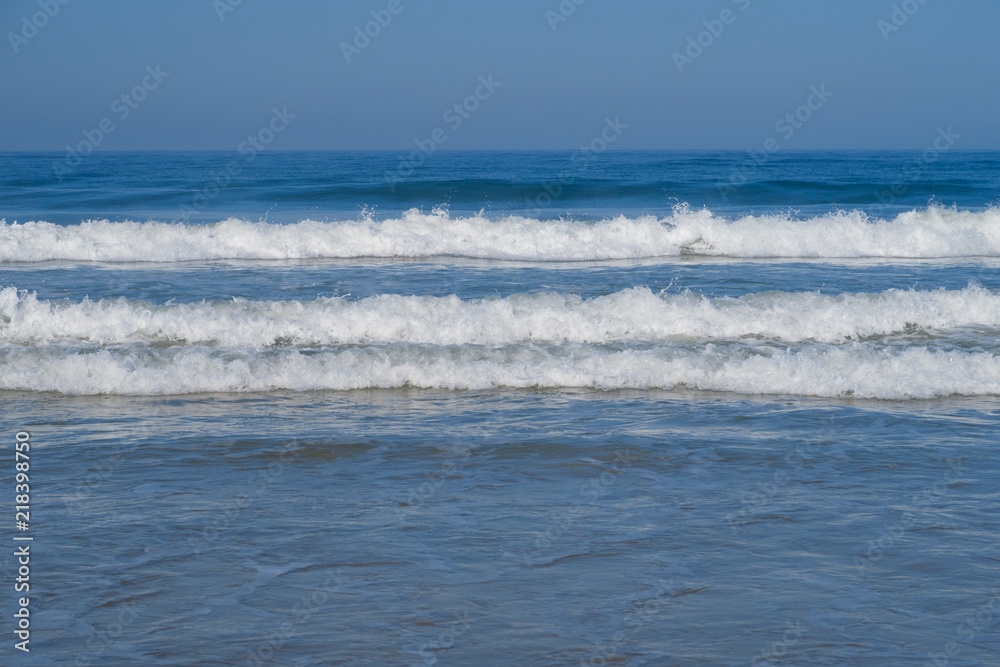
(504, 408)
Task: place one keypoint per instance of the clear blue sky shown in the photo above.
(610, 58)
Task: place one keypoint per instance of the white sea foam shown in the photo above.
(932, 232)
(855, 369)
(636, 314)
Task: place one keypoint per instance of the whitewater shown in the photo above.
(931, 232)
(854, 371)
(432, 419)
(891, 345)
(636, 314)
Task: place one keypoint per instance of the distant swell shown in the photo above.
(636, 314)
(852, 370)
(929, 233)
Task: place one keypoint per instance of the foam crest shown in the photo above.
(932, 232)
(852, 370)
(636, 314)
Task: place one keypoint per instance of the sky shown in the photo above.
(524, 74)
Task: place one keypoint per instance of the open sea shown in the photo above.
(503, 408)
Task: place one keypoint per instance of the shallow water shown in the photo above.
(535, 526)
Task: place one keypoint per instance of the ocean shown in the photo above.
(503, 408)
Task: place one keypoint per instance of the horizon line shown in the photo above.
(501, 150)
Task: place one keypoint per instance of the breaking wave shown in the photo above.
(929, 233)
(855, 370)
(895, 344)
(636, 314)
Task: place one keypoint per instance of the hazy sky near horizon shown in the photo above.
(705, 74)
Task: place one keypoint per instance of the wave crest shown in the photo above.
(636, 314)
(929, 233)
(852, 370)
